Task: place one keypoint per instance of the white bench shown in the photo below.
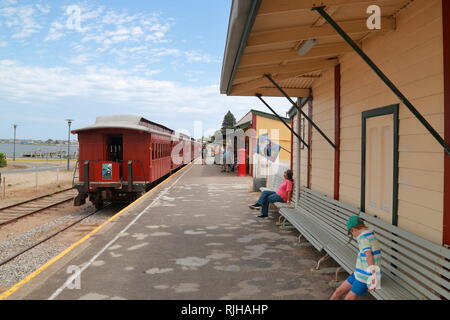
(412, 267)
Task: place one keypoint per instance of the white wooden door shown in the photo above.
(379, 166)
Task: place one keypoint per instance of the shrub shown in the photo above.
(3, 162)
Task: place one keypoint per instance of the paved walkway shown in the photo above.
(194, 237)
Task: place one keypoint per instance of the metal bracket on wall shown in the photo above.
(301, 111)
(259, 96)
(383, 77)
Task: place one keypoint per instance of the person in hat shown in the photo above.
(368, 263)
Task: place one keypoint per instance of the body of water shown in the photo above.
(8, 149)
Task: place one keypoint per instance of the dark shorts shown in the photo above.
(359, 288)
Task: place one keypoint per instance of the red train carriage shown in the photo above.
(122, 156)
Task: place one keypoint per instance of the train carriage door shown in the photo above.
(115, 149)
(380, 163)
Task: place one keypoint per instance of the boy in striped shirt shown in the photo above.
(368, 263)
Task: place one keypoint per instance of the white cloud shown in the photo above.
(195, 56)
(22, 19)
(56, 31)
(82, 59)
(108, 28)
(22, 84)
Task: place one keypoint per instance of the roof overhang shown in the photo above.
(264, 38)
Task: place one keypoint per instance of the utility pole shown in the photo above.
(14, 152)
(69, 122)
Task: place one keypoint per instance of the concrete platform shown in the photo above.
(193, 237)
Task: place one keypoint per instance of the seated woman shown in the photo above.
(283, 194)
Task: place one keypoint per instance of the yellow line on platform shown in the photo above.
(45, 266)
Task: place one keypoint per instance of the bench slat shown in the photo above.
(336, 202)
(325, 214)
(412, 267)
(440, 250)
(346, 258)
(395, 242)
(336, 232)
(406, 281)
(343, 213)
(335, 210)
(418, 276)
(300, 221)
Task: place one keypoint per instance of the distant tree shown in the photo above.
(3, 162)
(229, 121)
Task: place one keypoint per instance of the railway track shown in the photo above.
(49, 237)
(26, 208)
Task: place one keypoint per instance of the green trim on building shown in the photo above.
(292, 112)
(394, 110)
(268, 115)
(244, 125)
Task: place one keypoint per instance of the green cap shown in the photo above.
(353, 221)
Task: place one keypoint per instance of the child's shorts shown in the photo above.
(359, 288)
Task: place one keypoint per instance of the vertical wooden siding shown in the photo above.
(322, 170)
(446, 53)
(304, 152)
(296, 157)
(411, 56)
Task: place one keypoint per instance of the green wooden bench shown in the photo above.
(412, 267)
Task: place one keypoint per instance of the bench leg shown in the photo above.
(279, 220)
(302, 243)
(338, 270)
(286, 225)
(325, 257)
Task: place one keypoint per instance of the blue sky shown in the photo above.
(81, 59)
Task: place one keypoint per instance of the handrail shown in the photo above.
(74, 173)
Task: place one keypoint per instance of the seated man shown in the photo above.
(283, 194)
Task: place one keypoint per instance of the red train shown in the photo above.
(123, 156)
